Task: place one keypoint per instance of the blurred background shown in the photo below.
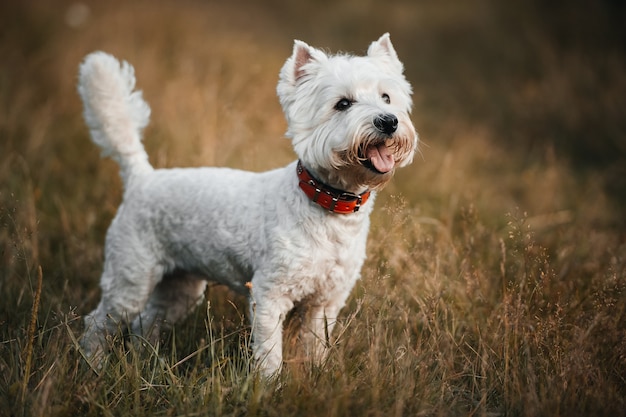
(514, 207)
(537, 79)
(520, 105)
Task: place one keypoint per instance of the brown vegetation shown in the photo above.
(496, 277)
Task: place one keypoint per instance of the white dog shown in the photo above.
(291, 236)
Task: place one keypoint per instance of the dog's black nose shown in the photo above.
(386, 123)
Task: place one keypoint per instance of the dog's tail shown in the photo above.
(115, 114)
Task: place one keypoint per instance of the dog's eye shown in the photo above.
(343, 104)
(386, 98)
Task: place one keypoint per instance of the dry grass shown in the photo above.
(496, 277)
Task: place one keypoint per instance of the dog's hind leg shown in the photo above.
(128, 279)
(172, 299)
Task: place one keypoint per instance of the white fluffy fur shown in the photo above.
(176, 227)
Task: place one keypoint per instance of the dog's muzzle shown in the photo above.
(376, 156)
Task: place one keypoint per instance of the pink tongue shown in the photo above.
(380, 157)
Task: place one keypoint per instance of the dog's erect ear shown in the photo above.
(382, 48)
(294, 69)
(301, 56)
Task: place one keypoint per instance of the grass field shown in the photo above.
(495, 282)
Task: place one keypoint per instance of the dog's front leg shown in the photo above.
(317, 331)
(268, 314)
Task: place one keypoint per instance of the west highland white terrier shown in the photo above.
(293, 236)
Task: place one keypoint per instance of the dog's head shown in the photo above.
(348, 116)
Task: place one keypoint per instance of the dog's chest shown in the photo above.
(321, 261)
